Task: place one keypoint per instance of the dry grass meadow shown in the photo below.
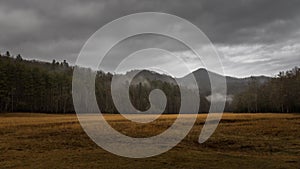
(241, 141)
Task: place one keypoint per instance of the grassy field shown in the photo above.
(240, 141)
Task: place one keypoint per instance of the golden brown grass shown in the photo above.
(240, 141)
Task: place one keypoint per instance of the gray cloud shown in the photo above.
(248, 33)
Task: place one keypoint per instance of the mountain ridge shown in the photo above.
(202, 76)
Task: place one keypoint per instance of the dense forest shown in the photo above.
(34, 86)
(280, 94)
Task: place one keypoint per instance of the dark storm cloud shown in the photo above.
(57, 29)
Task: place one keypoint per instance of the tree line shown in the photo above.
(280, 94)
(33, 86)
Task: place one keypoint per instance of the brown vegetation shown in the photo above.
(240, 141)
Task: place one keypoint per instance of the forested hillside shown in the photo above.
(33, 86)
(281, 94)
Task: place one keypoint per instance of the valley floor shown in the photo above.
(240, 141)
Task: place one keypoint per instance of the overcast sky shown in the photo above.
(253, 37)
